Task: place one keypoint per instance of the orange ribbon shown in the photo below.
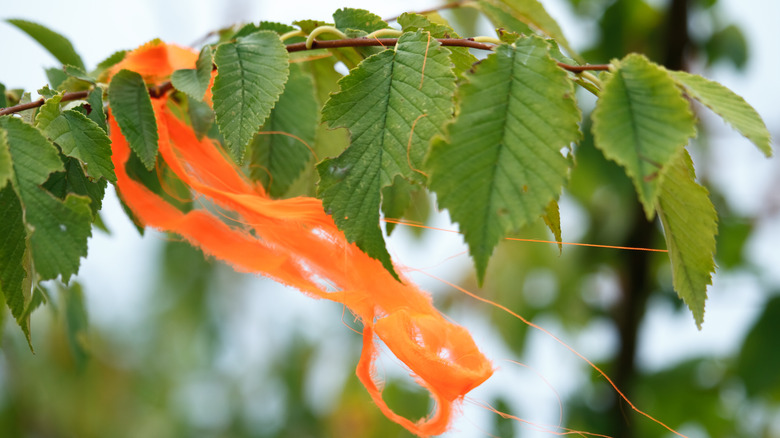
(294, 242)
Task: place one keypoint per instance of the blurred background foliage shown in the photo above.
(178, 376)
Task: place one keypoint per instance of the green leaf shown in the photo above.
(78, 73)
(727, 44)
(307, 26)
(328, 142)
(245, 30)
(552, 218)
(460, 56)
(279, 28)
(59, 229)
(396, 199)
(6, 164)
(96, 113)
(34, 157)
(73, 180)
(358, 19)
(161, 181)
(555, 52)
(502, 18)
(13, 96)
(47, 93)
(251, 74)
(392, 108)
(56, 44)
(3, 100)
(642, 121)
(56, 77)
(195, 82)
(730, 106)
(348, 55)
(49, 111)
(283, 147)
(76, 322)
(132, 108)
(107, 63)
(75, 80)
(12, 248)
(759, 357)
(355, 23)
(81, 138)
(532, 13)
(734, 234)
(690, 225)
(27, 115)
(324, 75)
(201, 117)
(502, 164)
(251, 28)
(61, 232)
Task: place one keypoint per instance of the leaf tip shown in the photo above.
(480, 266)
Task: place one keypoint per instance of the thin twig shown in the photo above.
(76, 95)
(366, 42)
(160, 90)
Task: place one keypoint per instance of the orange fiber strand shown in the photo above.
(294, 242)
(542, 428)
(630, 248)
(409, 143)
(425, 59)
(293, 136)
(549, 385)
(565, 345)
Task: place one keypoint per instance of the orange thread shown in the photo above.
(631, 248)
(425, 59)
(549, 385)
(558, 340)
(539, 427)
(165, 186)
(344, 312)
(264, 169)
(314, 154)
(379, 41)
(409, 146)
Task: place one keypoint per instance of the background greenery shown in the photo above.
(214, 353)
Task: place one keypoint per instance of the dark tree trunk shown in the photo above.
(636, 281)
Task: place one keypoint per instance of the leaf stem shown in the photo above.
(587, 85)
(589, 81)
(592, 78)
(487, 39)
(321, 30)
(385, 32)
(291, 34)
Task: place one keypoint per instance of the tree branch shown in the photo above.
(384, 42)
(76, 95)
(159, 90)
